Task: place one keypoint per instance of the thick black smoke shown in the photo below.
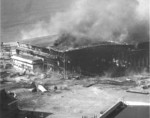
(99, 20)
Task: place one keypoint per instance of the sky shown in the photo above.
(17, 14)
(98, 20)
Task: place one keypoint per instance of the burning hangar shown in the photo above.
(88, 60)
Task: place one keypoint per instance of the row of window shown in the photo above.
(23, 65)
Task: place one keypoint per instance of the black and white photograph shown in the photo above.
(74, 59)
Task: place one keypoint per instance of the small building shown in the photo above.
(48, 56)
(27, 63)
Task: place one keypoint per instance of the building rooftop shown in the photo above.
(69, 48)
(26, 58)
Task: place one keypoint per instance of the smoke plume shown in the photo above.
(98, 20)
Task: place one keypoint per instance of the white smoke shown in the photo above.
(99, 20)
(37, 30)
(143, 9)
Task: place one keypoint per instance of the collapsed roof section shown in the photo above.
(93, 59)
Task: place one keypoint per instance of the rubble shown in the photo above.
(64, 87)
(146, 86)
(138, 91)
(41, 88)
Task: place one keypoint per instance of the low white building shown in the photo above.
(27, 62)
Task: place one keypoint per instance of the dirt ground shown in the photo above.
(77, 98)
